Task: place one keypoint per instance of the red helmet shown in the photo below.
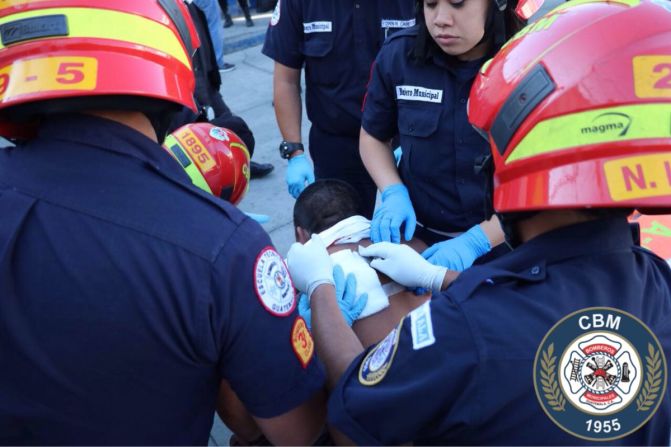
(64, 54)
(215, 158)
(577, 106)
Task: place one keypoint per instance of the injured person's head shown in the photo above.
(331, 209)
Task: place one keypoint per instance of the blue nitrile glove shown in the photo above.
(461, 252)
(260, 218)
(350, 306)
(395, 210)
(304, 309)
(299, 172)
(398, 153)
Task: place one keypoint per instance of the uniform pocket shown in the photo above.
(418, 120)
(320, 68)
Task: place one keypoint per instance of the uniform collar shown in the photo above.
(587, 238)
(111, 136)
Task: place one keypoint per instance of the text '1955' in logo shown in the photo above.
(600, 374)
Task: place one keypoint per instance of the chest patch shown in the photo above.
(301, 342)
(392, 23)
(378, 361)
(317, 27)
(415, 93)
(422, 327)
(273, 284)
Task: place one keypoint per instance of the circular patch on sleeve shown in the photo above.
(600, 374)
(377, 362)
(273, 284)
(275, 19)
(301, 342)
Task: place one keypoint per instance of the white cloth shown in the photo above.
(350, 231)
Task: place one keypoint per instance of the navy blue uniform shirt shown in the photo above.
(425, 103)
(127, 295)
(336, 41)
(473, 383)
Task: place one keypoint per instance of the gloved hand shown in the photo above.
(350, 305)
(398, 153)
(299, 172)
(395, 210)
(260, 218)
(404, 265)
(461, 252)
(310, 265)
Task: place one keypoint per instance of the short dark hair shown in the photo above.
(325, 203)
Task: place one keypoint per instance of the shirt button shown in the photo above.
(461, 141)
(411, 128)
(535, 270)
(356, 5)
(462, 100)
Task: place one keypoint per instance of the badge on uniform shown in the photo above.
(377, 362)
(273, 284)
(600, 374)
(421, 327)
(301, 341)
(275, 19)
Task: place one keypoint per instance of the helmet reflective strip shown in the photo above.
(114, 25)
(609, 125)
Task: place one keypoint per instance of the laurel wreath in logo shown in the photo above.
(549, 380)
(653, 380)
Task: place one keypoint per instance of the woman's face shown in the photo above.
(457, 26)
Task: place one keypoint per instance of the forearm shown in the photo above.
(378, 159)
(493, 231)
(287, 100)
(337, 345)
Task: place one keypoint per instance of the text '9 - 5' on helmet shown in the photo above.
(70, 55)
(577, 109)
(216, 159)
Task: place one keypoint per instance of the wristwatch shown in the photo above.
(286, 149)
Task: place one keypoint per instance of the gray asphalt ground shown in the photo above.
(248, 92)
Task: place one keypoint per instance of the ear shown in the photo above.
(301, 234)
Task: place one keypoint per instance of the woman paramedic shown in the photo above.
(419, 88)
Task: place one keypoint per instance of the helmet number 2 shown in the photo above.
(70, 73)
(665, 81)
(652, 76)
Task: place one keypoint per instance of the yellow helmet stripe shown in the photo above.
(114, 25)
(609, 125)
(179, 154)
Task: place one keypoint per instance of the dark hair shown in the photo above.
(325, 203)
(499, 26)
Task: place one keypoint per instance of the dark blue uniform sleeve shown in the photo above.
(414, 386)
(284, 37)
(267, 354)
(380, 112)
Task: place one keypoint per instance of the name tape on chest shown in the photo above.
(421, 327)
(394, 23)
(415, 93)
(317, 27)
(273, 284)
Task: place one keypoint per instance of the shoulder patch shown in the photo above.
(273, 284)
(275, 19)
(421, 327)
(301, 342)
(375, 365)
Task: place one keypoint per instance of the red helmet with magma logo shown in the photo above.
(57, 55)
(216, 159)
(577, 108)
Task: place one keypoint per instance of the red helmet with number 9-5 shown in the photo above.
(577, 109)
(69, 55)
(216, 159)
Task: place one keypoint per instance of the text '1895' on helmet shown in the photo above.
(69, 55)
(577, 109)
(216, 159)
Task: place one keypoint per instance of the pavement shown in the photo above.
(248, 91)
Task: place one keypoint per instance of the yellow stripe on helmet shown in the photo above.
(610, 125)
(114, 25)
(191, 169)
